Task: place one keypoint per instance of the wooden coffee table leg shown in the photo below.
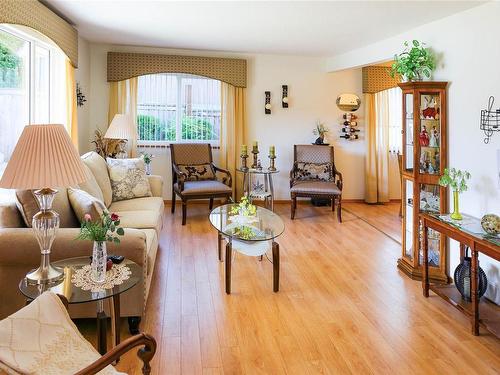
(228, 267)
(276, 267)
(102, 345)
(219, 245)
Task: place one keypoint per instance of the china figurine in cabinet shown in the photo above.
(424, 160)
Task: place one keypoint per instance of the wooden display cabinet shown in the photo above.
(424, 160)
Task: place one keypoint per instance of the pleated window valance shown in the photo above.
(34, 14)
(124, 65)
(377, 78)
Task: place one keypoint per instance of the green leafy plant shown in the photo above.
(148, 158)
(455, 178)
(414, 61)
(320, 129)
(9, 68)
(244, 208)
(152, 128)
(106, 228)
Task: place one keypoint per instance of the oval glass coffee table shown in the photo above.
(251, 236)
(74, 288)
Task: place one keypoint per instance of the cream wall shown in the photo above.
(468, 46)
(312, 96)
(82, 76)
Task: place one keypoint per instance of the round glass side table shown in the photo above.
(251, 236)
(75, 294)
(255, 189)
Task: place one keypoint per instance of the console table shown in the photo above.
(468, 233)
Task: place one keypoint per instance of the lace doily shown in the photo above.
(115, 276)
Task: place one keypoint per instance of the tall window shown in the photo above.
(178, 108)
(32, 86)
(395, 119)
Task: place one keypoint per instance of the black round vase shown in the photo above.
(463, 280)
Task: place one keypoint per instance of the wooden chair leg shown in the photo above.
(333, 204)
(173, 201)
(211, 204)
(184, 212)
(339, 210)
(293, 207)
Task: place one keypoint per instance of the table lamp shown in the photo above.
(122, 127)
(44, 158)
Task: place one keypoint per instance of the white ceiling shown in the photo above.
(285, 27)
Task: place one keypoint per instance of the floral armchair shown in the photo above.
(194, 175)
(314, 176)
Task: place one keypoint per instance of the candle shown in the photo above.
(244, 150)
(271, 151)
(255, 147)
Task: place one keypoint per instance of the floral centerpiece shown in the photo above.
(242, 217)
(457, 179)
(105, 229)
(148, 158)
(320, 131)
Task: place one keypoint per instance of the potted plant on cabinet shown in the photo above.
(457, 179)
(415, 62)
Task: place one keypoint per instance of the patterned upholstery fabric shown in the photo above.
(204, 187)
(313, 154)
(198, 172)
(41, 339)
(128, 179)
(191, 153)
(318, 187)
(314, 171)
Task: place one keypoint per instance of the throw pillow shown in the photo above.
(314, 171)
(128, 179)
(90, 185)
(83, 203)
(198, 172)
(27, 205)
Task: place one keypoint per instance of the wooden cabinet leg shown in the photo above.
(425, 251)
(475, 299)
(228, 267)
(276, 267)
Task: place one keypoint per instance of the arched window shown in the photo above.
(175, 107)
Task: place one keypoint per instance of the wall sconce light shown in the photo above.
(268, 103)
(284, 98)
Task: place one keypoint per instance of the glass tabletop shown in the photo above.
(470, 225)
(76, 294)
(256, 171)
(264, 226)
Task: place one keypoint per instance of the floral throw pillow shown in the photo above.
(314, 171)
(198, 172)
(128, 179)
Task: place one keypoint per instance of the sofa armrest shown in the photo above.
(156, 183)
(18, 246)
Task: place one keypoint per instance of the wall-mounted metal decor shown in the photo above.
(80, 98)
(490, 120)
(284, 98)
(348, 102)
(267, 106)
(349, 126)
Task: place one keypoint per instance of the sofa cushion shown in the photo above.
(140, 219)
(28, 207)
(90, 185)
(204, 187)
(147, 204)
(152, 247)
(99, 169)
(83, 203)
(128, 179)
(198, 172)
(314, 171)
(318, 187)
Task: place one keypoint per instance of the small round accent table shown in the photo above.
(251, 236)
(253, 187)
(74, 294)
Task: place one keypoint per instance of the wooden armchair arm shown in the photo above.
(292, 174)
(338, 178)
(228, 180)
(181, 177)
(145, 354)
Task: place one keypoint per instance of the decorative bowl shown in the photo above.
(491, 224)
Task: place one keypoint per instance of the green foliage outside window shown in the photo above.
(10, 75)
(151, 128)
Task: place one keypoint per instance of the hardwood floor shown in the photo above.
(343, 307)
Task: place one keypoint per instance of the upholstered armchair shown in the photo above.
(314, 176)
(194, 175)
(41, 339)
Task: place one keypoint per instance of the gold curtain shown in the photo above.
(232, 134)
(71, 114)
(123, 99)
(377, 151)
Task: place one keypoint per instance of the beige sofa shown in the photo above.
(142, 219)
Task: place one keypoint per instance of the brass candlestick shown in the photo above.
(272, 168)
(244, 158)
(255, 153)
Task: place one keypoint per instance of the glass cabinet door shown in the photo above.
(408, 137)
(430, 202)
(429, 133)
(408, 217)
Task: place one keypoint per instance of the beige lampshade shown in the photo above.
(121, 127)
(44, 157)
